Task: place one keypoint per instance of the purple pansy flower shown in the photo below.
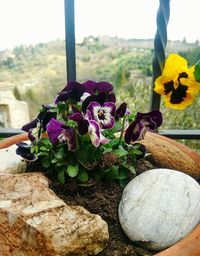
(59, 132)
(24, 150)
(142, 123)
(72, 91)
(38, 125)
(101, 98)
(87, 125)
(104, 114)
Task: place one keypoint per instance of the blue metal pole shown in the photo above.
(70, 40)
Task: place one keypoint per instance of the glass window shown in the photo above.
(32, 57)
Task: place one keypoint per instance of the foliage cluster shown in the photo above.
(83, 135)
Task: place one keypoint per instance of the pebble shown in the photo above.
(159, 207)
(11, 163)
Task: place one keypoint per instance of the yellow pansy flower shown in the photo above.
(177, 83)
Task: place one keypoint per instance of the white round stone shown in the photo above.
(159, 207)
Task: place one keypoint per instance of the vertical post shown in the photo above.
(160, 42)
(70, 40)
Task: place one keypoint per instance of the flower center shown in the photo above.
(177, 89)
(101, 114)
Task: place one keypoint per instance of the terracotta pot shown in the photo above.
(5, 143)
(188, 246)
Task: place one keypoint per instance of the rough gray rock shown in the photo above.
(35, 222)
(159, 207)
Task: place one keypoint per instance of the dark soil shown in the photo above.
(103, 199)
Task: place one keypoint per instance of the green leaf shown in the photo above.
(44, 148)
(120, 152)
(45, 141)
(61, 176)
(58, 164)
(46, 162)
(83, 176)
(123, 182)
(107, 150)
(116, 128)
(54, 160)
(131, 117)
(112, 174)
(72, 170)
(60, 153)
(43, 154)
(83, 156)
(197, 71)
(131, 168)
(32, 149)
(136, 152)
(122, 174)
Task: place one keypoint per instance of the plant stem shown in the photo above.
(76, 137)
(122, 130)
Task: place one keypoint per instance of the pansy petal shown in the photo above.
(54, 129)
(93, 109)
(73, 84)
(43, 118)
(104, 87)
(94, 87)
(73, 91)
(24, 150)
(108, 123)
(90, 86)
(82, 123)
(103, 140)
(154, 117)
(30, 125)
(69, 134)
(111, 98)
(83, 127)
(111, 107)
(94, 132)
(84, 96)
(121, 110)
(34, 133)
(62, 96)
(134, 132)
(182, 105)
(88, 115)
(77, 117)
(174, 65)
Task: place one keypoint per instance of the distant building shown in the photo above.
(13, 113)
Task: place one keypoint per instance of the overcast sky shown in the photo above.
(34, 21)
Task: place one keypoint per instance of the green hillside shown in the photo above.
(39, 72)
